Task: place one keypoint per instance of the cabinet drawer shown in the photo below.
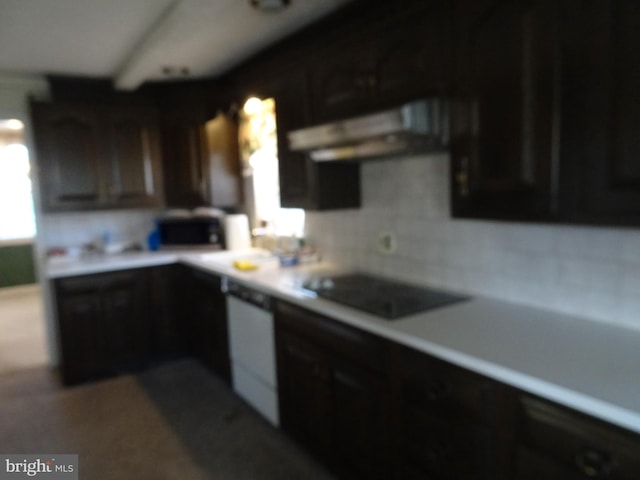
(534, 466)
(444, 389)
(446, 449)
(350, 343)
(581, 444)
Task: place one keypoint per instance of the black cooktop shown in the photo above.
(385, 298)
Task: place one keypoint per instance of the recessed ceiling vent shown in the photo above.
(270, 5)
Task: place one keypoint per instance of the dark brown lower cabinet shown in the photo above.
(104, 323)
(558, 443)
(168, 338)
(332, 392)
(121, 321)
(370, 408)
(364, 406)
(448, 423)
(203, 317)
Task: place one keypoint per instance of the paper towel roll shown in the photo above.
(237, 233)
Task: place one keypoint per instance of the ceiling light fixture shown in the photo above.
(269, 5)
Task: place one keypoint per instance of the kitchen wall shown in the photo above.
(587, 271)
(77, 228)
(16, 264)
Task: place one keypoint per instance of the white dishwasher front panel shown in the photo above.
(251, 340)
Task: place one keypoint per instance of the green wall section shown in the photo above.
(16, 265)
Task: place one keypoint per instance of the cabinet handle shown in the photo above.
(320, 372)
(462, 177)
(438, 452)
(593, 464)
(437, 390)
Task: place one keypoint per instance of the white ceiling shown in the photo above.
(134, 40)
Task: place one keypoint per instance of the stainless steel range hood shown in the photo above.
(418, 126)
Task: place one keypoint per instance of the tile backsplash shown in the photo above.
(587, 271)
(78, 228)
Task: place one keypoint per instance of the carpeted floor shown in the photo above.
(174, 421)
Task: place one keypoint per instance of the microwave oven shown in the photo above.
(192, 231)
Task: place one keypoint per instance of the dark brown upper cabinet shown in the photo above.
(600, 148)
(93, 157)
(389, 56)
(504, 109)
(414, 53)
(292, 113)
(223, 171)
(304, 183)
(184, 157)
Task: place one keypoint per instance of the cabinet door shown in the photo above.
(504, 141)
(183, 157)
(344, 81)
(359, 410)
(304, 393)
(332, 395)
(207, 322)
(104, 323)
(414, 54)
(601, 111)
(222, 166)
(125, 318)
(133, 158)
(566, 444)
(167, 311)
(293, 167)
(304, 183)
(69, 158)
(448, 422)
(83, 350)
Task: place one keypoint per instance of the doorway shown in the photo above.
(22, 330)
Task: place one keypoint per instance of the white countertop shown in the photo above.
(580, 363)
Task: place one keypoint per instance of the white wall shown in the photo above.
(590, 272)
(15, 93)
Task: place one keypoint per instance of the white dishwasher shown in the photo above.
(252, 349)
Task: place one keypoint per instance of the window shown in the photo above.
(17, 219)
(259, 153)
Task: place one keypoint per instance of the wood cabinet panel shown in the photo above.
(67, 143)
(304, 183)
(389, 54)
(566, 444)
(334, 404)
(134, 157)
(205, 320)
(504, 132)
(183, 152)
(448, 423)
(166, 307)
(94, 157)
(305, 395)
(294, 168)
(104, 323)
(601, 112)
(359, 418)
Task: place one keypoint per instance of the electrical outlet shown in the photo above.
(386, 242)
